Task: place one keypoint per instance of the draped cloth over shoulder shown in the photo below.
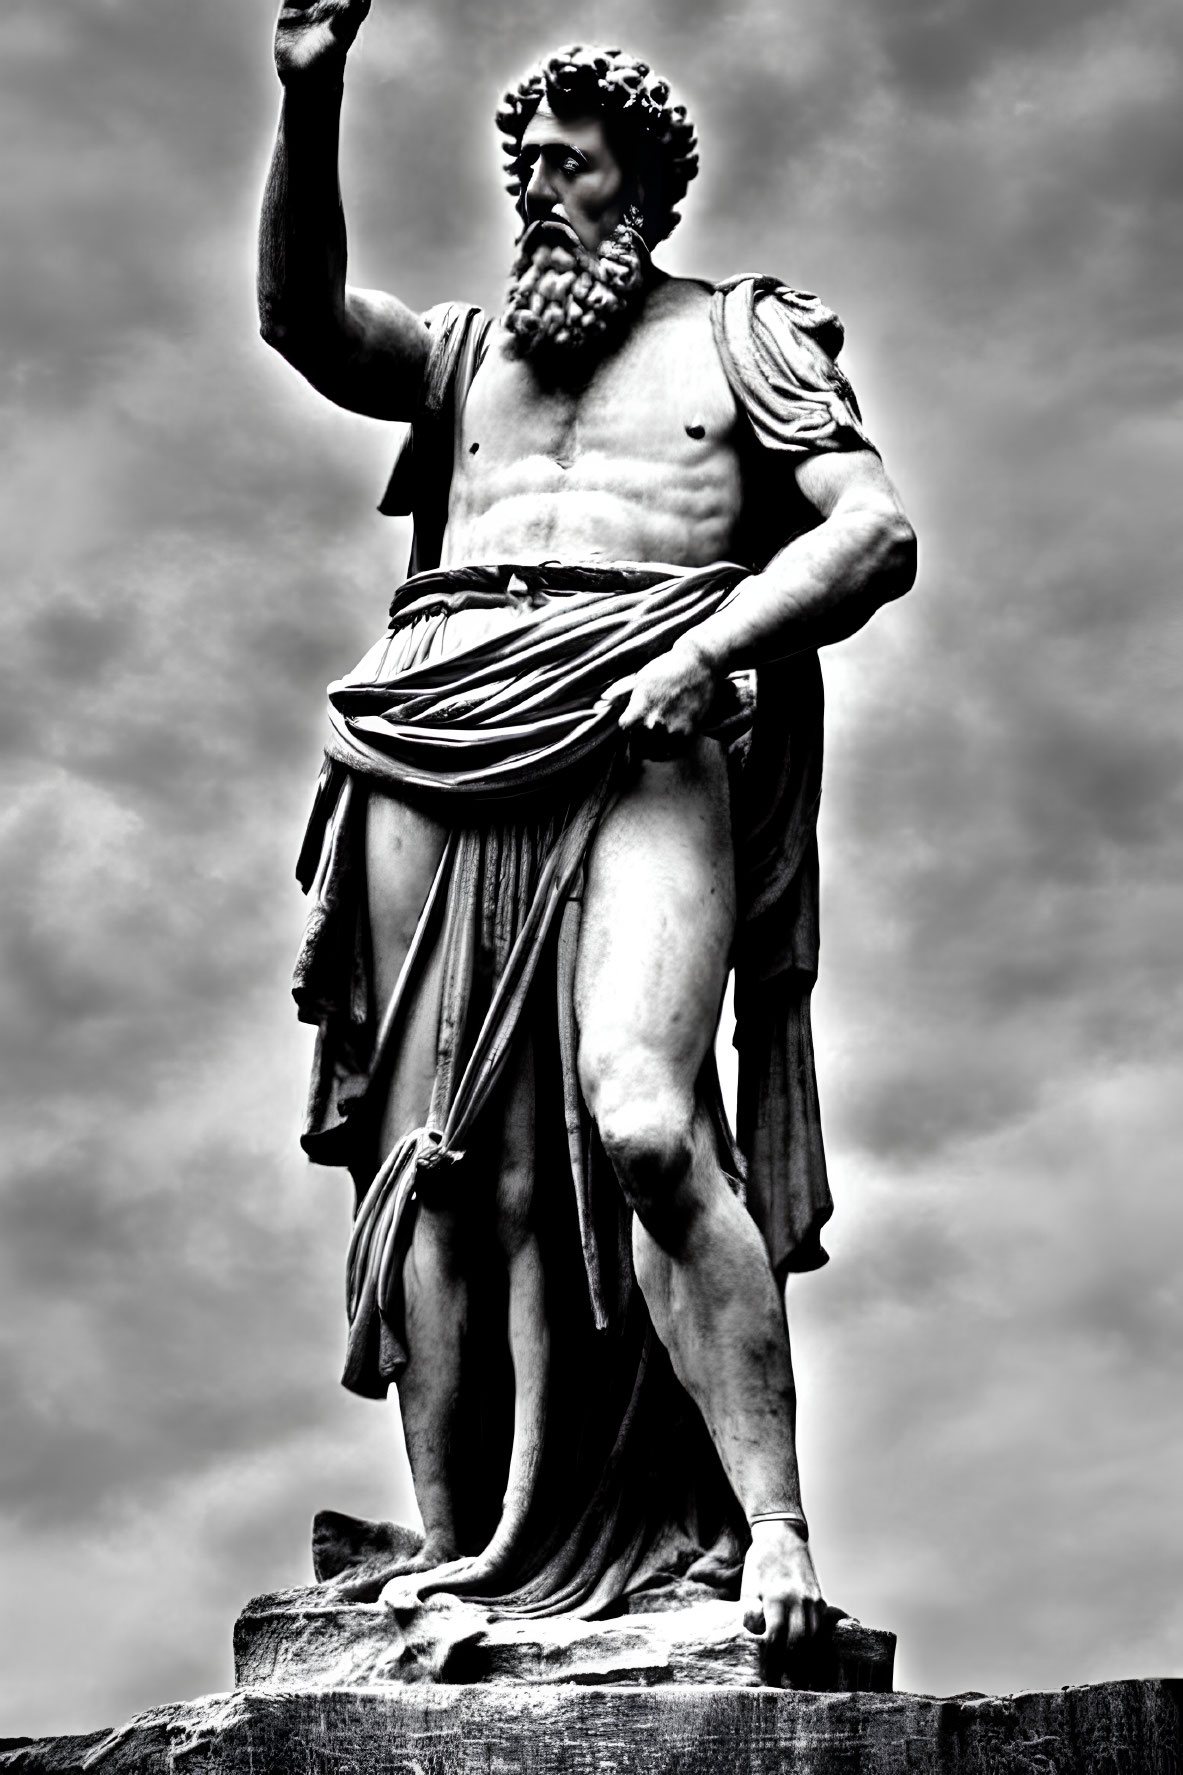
(778, 348)
(513, 746)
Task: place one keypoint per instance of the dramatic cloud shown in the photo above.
(990, 194)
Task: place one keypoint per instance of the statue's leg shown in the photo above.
(403, 849)
(658, 922)
(529, 1327)
(529, 1340)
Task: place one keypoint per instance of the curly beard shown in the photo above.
(568, 306)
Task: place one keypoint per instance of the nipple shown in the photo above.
(696, 429)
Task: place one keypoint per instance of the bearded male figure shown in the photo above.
(550, 820)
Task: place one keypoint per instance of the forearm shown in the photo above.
(821, 588)
(302, 254)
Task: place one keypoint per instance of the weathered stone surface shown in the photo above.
(49, 1756)
(311, 1639)
(343, 1543)
(1123, 1728)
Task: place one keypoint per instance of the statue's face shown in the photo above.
(574, 176)
(580, 269)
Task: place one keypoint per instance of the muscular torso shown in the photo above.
(641, 464)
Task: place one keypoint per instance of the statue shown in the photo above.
(571, 785)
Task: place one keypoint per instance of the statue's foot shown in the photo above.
(432, 1556)
(411, 1587)
(781, 1597)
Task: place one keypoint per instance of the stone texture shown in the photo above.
(1122, 1728)
(50, 1756)
(310, 1639)
(352, 1544)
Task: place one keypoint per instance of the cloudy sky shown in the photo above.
(989, 192)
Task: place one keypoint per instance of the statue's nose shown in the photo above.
(541, 196)
(545, 207)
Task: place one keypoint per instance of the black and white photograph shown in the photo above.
(591, 949)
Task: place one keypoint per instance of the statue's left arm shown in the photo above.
(827, 583)
(821, 587)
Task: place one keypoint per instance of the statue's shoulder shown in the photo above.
(459, 334)
(779, 346)
(753, 295)
(459, 339)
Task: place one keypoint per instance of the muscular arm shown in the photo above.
(820, 588)
(363, 349)
(826, 584)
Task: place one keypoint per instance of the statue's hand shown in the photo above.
(670, 698)
(781, 1597)
(313, 36)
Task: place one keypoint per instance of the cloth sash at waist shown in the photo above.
(511, 714)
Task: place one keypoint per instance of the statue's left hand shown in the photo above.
(781, 1597)
(669, 699)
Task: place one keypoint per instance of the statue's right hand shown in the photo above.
(313, 36)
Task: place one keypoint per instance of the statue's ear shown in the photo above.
(634, 205)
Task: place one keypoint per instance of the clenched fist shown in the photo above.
(313, 36)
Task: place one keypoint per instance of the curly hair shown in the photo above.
(655, 139)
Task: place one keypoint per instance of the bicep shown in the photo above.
(378, 364)
(846, 479)
(861, 511)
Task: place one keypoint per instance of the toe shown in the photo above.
(359, 1589)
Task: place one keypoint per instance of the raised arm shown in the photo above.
(363, 349)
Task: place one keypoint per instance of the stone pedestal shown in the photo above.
(327, 1687)
(1123, 1728)
(310, 1639)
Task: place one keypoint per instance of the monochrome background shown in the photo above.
(989, 192)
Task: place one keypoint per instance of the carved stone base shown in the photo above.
(1126, 1728)
(309, 1639)
(674, 1630)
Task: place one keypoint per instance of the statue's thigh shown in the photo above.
(658, 921)
(403, 850)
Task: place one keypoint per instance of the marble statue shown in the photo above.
(571, 786)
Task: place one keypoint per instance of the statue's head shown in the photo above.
(652, 141)
(597, 158)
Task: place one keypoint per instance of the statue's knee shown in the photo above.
(650, 1146)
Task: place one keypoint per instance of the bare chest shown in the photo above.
(644, 452)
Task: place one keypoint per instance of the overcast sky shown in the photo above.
(989, 193)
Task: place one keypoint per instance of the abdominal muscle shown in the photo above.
(662, 518)
(541, 512)
(583, 529)
(575, 527)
